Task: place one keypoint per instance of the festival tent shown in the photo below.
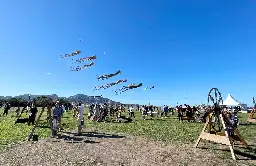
(244, 108)
(230, 101)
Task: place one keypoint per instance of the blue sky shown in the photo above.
(184, 48)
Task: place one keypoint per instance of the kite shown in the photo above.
(104, 53)
(149, 88)
(78, 68)
(107, 76)
(85, 59)
(125, 88)
(50, 74)
(98, 87)
(120, 81)
(71, 54)
(109, 85)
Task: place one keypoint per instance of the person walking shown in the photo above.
(80, 118)
(57, 116)
(32, 115)
(131, 112)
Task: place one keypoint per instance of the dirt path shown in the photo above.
(101, 149)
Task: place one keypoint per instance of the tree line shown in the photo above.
(39, 101)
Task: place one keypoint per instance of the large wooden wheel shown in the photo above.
(215, 97)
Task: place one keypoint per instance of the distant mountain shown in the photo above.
(79, 97)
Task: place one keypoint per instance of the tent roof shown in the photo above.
(230, 101)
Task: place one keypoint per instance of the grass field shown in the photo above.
(169, 130)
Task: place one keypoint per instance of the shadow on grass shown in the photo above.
(162, 119)
(97, 135)
(85, 141)
(123, 119)
(249, 153)
(44, 127)
(74, 139)
(247, 124)
(66, 117)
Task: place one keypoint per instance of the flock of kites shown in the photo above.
(102, 77)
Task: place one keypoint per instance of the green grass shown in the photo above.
(13, 134)
(169, 130)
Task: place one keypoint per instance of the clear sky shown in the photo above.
(183, 48)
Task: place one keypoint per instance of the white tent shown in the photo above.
(230, 101)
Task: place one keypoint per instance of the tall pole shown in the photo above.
(185, 97)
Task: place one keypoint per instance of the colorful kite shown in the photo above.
(125, 88)
(149, 88)
(85, 59)
(71, 54)
(109, 85)
(120, 81)
(107, 76)
(78, 68)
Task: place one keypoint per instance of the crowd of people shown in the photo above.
(106, 112)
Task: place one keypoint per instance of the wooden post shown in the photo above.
(231, 143)
(205, 126)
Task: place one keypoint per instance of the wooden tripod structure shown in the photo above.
(220, 136)
(251, 119)
(36, 124)
(18, 119)
(28, 105)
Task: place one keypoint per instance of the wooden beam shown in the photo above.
(231, 145)
(215, 138)
(251, 120)
(199, 139)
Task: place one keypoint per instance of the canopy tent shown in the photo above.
(230, 101)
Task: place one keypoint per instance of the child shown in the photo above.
(104, 113)
(6, 108)
(17, 112)
(229, 127)
(144, 113)
(90, 111)
(234, 120)
(180, 113)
